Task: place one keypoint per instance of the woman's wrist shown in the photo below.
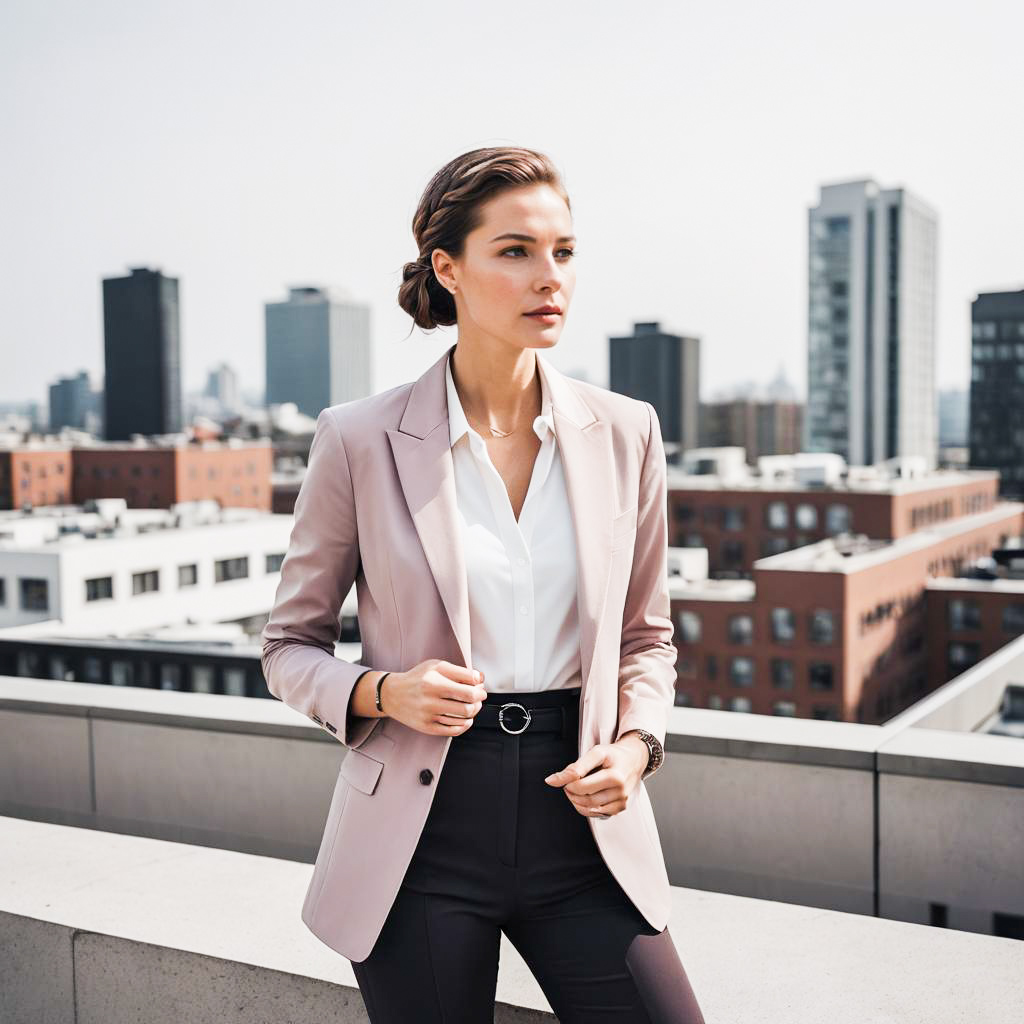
(364, 695)
(634, 742)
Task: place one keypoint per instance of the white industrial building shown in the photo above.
(106, 570)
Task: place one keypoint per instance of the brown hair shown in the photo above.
(449, 209)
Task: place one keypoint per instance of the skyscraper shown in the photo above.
(663, 369)
(72, 403)
(317, 350)
(997, 388)
(871, 391)
(142, 389)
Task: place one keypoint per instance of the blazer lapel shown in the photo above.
(423, 461)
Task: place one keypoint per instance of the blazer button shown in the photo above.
(426, 776)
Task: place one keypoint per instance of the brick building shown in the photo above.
(835, 630)
(759, 427)
(147, 476)
(35, 475)
(740, 516)
(969, 619)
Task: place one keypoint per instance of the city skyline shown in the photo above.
(130, 145)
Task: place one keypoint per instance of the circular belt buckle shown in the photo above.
(501, 718)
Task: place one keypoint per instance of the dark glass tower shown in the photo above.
(663, 369)
(142, 389)
(997, 388)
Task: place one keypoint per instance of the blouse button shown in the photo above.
(426, 776)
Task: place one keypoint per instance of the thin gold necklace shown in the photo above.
(499, 433)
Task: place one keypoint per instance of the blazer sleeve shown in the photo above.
(647, 656)
(317, 573)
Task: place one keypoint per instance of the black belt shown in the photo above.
(513, 718)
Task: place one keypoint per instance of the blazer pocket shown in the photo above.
(361, 770)
(623, 528)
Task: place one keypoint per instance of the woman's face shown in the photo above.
(519, 258)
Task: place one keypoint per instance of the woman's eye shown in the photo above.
(518, 248)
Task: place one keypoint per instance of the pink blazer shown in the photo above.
(378, 506)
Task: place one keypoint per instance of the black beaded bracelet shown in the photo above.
(377, 692)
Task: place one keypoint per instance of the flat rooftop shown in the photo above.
(938, 480)
(853, 554)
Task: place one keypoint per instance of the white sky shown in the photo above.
(245, 146)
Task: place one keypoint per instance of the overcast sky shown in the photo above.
(244, 147)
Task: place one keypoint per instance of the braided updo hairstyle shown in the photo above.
(449, 209)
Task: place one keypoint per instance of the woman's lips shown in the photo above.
(546, 318)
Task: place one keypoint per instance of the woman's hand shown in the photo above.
(434, 697)
(606, 791)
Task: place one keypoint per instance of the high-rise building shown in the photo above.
(317, 350)
(73, 403)
(663, 369)
(953, 405)
(871, 391)
(997, 387)
(222, 386)
(142, 392)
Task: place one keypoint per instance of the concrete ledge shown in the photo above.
(99, 928)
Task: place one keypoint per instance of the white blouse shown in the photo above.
(521, 576)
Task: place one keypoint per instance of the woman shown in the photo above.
(505, 527)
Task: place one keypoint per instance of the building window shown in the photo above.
(806, 517)
(783, 625)
(714, 702)
(145, 582)
(825, 711)
(740, 704)
(686, 668)
(188, 575)
(838, 519)
(689, 627)
(170, 676)
(231, 569)
(741, 671)
(99, 589)
(121, 673)
(711, 667)
(776, 515)
(1013, 619)
(821, 627)
(962, 656)
(274, 562)
(683, 513)
(735, 517)
(693, 540)
(773, 546)
(35, 594)
(732, 553)
(964, 614)
(202, 678)
(683, 699)
(784, 708)
(820, 675)
(234, 682)
(741, 629)
(782, 674)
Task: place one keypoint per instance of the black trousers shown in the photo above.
(502, 851)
